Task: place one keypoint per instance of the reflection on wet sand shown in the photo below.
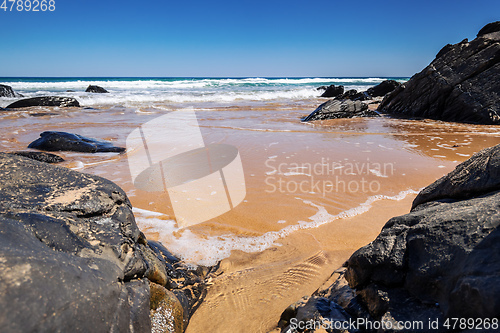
(299, 220)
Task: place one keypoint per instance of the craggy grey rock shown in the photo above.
(44, 101)
(333, 91)
(96, 90)
(439, 261)
(40, 156)
(460, 85)
(383, 88)
(73, 260)
(7, 91)
(62, 141)
(340, 109)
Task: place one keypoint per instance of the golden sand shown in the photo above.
(280, 243)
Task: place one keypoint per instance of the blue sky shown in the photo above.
(235, 38)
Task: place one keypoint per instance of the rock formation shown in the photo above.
(72, 257)
(461, 84)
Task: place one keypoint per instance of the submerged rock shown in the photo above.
(460, 85)
(340, 109)
(73, 259)
(39, 156)
(439, 261)
(44, 101)
(62, 141)
(333, 91)
(96, 90)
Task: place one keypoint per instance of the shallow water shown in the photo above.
(315, 192)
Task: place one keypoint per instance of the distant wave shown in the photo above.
(179, 90)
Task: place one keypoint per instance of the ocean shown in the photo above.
(155, 91)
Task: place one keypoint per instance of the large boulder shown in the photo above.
(96, 90)
(340, 109)
(383, 88)
(7, 91)
(62, 141)
(73, 260)
(442, 260)
(44, 101)
(333, 91)
(460, 85)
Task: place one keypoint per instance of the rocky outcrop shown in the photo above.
(96, 90)
(62, 141)
(44, 101)
(383, 88)
(333, 91)
(340, 109)
(73, 259)
(40, 156)
(442, 260)
(460, 85)
(7, 91)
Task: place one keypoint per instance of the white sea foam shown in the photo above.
(134, 91)
(208, 250)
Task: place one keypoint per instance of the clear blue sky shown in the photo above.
(236, 38)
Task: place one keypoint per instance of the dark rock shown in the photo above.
(340, 109)
(348, 94)
(7, 91)
(39, 156)
(67, 240)
(447, 250)
(333, 91)
(489, 28)
(353, 95)
(96, 89)
(474, 177)
(321, 88)
(70, 91)
(44, 101)
(62, 141)
(73, 258)
(360, 96)
(460, 85)
(383, 88)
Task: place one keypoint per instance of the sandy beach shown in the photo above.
(314, 192)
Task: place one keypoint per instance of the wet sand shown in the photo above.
(315, 192)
